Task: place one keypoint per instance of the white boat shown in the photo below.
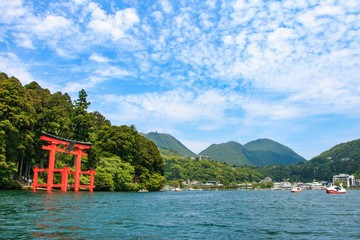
(177, 189)
(336, 190)
(296, 189)
(143, 190)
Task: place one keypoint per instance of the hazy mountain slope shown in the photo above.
(168, 142)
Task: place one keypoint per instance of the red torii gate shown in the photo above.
(68, 146)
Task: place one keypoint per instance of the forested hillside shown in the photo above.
(166, 142)
(342, 158)
(177, 170)
(265, 152)
(123, 159)
(342, 152)
(232, 153)
(261, 152)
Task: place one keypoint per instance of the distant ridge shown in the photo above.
(261, 152)
(232, 153)
(269, 152)
(168, 144)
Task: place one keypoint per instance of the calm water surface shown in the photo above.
(180, 215)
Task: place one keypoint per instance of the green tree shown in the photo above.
(125, 142)
(17, 118)
(81, 119)
(112, 174)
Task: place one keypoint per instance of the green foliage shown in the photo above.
(112, 174)
(7, 170)
(168, 142)
(342, 152)
(17, 120)
(263, 185)
(167, 152)
(262, 152)
(232, 153)
(206, 170)
(124, 159)
(81, 119)
(134, 149)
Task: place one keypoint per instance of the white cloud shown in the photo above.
(177, 106)
(98, 58)
(158, 16)
(114, 26)
(329, 96)
(64, 53)
(11, 11)
(51, 25)
(270, 112)
(328, 10)
(308, 19)
(23, 40)
(12, 65)
(166, 6)
(111, 71)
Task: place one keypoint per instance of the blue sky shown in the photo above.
(203, 71)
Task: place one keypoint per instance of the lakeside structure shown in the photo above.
(346, 178)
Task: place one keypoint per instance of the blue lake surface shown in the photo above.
(180, 215)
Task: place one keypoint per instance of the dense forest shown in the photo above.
(178, 169)
(123, 159)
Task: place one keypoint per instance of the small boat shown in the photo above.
(177, 189)
(336, 190)
(296, 189)
(143, 190)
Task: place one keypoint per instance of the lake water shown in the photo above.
(180, 215)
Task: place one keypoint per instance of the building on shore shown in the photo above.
(349, 180)
(282, 185)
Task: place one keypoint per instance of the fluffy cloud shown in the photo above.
(115, 25)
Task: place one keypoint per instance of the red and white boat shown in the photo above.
(336, 190)
(296, 189)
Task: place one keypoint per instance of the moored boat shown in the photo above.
(336, 190)
(296, 189)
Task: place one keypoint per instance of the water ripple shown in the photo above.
(184, 215)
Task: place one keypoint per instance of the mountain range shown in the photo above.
(261, 152)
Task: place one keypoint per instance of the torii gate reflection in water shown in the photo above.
(68, 146)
